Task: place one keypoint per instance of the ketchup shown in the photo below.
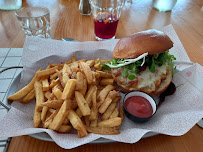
(139, 106)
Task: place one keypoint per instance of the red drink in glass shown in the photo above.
(105, 29)
(106, 14)
(105, 25)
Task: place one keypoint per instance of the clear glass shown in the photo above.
(35, 21)
(106, 14)
(10, 4)
(164, 5)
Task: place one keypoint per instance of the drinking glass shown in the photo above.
(35, 21)
(164, 5)
(106, 14)
(10, 4)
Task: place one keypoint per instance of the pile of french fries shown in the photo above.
(75, 94)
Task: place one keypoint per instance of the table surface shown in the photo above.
(137, 15)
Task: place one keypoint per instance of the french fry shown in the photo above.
(90, 63)
(88, 96)
(74, 104)
(69, 89)
(87, 72)
(68, 62)
(48, 67)
(57, 92)
(36, 117)
(109, 111)
(94, 78)
(53, 76)
(114, 114)
(121, 113)
(107, 101)
(47, 123)
(84, 89)
(103, 93)
(93, 123)
(45, 85)
(53, 104)
(52, 110)
(87, 121)
(39, 95)
(24, 91)
(77, 123)
(54, 83)
(93, 114)
(28, 97)
(81, 134)
(47, 94)
(82, 104)
(98, 66)
(116, 99)
(52, 115)
(66, 72)
(106, 82)
(58, 86)
(102, 130)
(73, 75)
(80, 81)
(78, 112)
(74, 69)
(46, 73)
(64, 129)
(104, 74)
(74, 66)
(66, 121)
(82, 60)
(43, 113)
(66, 69)
(55, 65)
(73, 59)
(60, 78)
(114, 122)
(61, 115)
(98, 60)
(97, 81)
(94, 110)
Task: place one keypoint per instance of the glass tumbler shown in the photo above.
(10, 4)
(164, 5)
(106, 14)
(35, 21)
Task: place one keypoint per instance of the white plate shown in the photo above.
(44, 136)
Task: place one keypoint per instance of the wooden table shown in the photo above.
(137, 15)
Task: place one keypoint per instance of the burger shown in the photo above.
(141, 62)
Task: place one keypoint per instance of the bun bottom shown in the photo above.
(161, 88)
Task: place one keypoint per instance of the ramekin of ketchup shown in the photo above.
(139, 106)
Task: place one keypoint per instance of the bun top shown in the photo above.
(151, 41)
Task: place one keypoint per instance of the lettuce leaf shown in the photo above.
(150, 61)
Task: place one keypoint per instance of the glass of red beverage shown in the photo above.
(106, 14)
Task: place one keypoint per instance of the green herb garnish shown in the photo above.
(114, 61)
(179, 85)
(152, 65)
(131, 77)
(124, 73)
(105, 67)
